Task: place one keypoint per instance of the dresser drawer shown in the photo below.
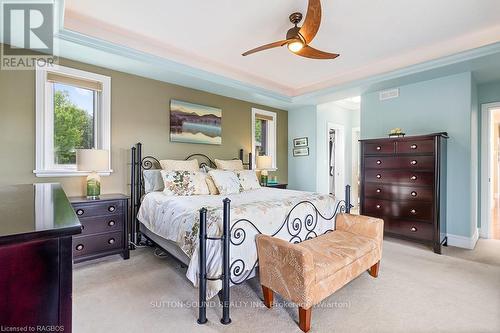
(406, 162)
(417, 178)
(416, 146)
(399, 209)
(98, 208)
(379, 148)
(97, 224)
(397, 192)
(86, 245)
(412, 229)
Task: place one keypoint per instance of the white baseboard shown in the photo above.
(483, 233)
(462, 241)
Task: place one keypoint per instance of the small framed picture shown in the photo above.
(300, 142)
(303, 151)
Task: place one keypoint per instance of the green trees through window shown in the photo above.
(73, 122)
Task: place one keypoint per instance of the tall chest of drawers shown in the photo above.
(403, 181)
(104, 227)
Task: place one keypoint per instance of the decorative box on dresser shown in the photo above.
(403, 181)
(105, 227)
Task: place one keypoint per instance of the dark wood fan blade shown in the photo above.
(265, 47)
(310, 52)
(312, 21)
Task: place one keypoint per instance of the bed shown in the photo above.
(173, 223)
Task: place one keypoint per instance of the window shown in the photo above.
(72, 112)
(264, 134)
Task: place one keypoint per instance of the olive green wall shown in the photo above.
(139, 113)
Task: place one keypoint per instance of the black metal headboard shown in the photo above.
(138, 164)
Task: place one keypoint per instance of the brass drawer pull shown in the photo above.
(413, 162)
(111, 223)
(379, 162)
(111, 208)
(80, 212)
(413, 229)
(79, 247)
(413, 194)
(379, 176)
(413, 146)
(378, 190)
(378, 147)
(378, 206)
(413, 177)
(111, 241)
(413, 211)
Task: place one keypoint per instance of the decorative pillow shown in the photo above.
(248, 179)
(179, 165)
(226, 181)
(211, 186)
(185, 182)
(153, 181)
(231, 165)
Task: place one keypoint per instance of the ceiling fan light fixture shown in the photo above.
(295, 46)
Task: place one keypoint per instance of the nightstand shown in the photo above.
(105, 227)
(282, 186)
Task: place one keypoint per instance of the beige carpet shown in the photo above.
(416, 291)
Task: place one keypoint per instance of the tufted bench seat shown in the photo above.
(308, 272)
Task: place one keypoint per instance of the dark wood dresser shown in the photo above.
(37, 223)
(105, 227)
(403, 181)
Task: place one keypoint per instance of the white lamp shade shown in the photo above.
(92, 160)
(264, 162)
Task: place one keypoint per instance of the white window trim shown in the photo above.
(271, 135)
(44, 115)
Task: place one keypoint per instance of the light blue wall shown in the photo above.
(442, 104)
(302, 170)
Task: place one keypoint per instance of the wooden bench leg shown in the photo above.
(268, 296)
(374, 269)
(305, 319)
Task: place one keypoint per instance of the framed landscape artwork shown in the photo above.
(194, 123)
(303, 151)
(300, 142)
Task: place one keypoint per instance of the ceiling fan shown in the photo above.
(298, 38)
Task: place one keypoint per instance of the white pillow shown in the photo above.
(180, 165)
(226, 181)
(211, 186)
(185, 183)
(229, 164)
(153, 181)
(248, 179)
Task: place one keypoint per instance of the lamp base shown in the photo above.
(263, 177)
(93, 186)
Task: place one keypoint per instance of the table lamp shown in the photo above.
(92, 160)
(264, 163)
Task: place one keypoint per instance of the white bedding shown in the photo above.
(176, 218)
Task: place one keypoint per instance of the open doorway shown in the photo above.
(490, 171)
(336, 148)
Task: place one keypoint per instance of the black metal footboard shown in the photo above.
(236, 235)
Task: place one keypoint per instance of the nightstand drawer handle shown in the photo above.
(413, 211)
(414, 146)
(378, 190)
(413, 229)
(378, 206)
(379, 162)
(80, 212)
(111, 241)
(379, 176)
(413, 194)
(111, 223)
(413, 162)
(413, 177)
(111, 208)
(79, 247)
(378, 147)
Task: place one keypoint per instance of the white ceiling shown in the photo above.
(372, 36)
